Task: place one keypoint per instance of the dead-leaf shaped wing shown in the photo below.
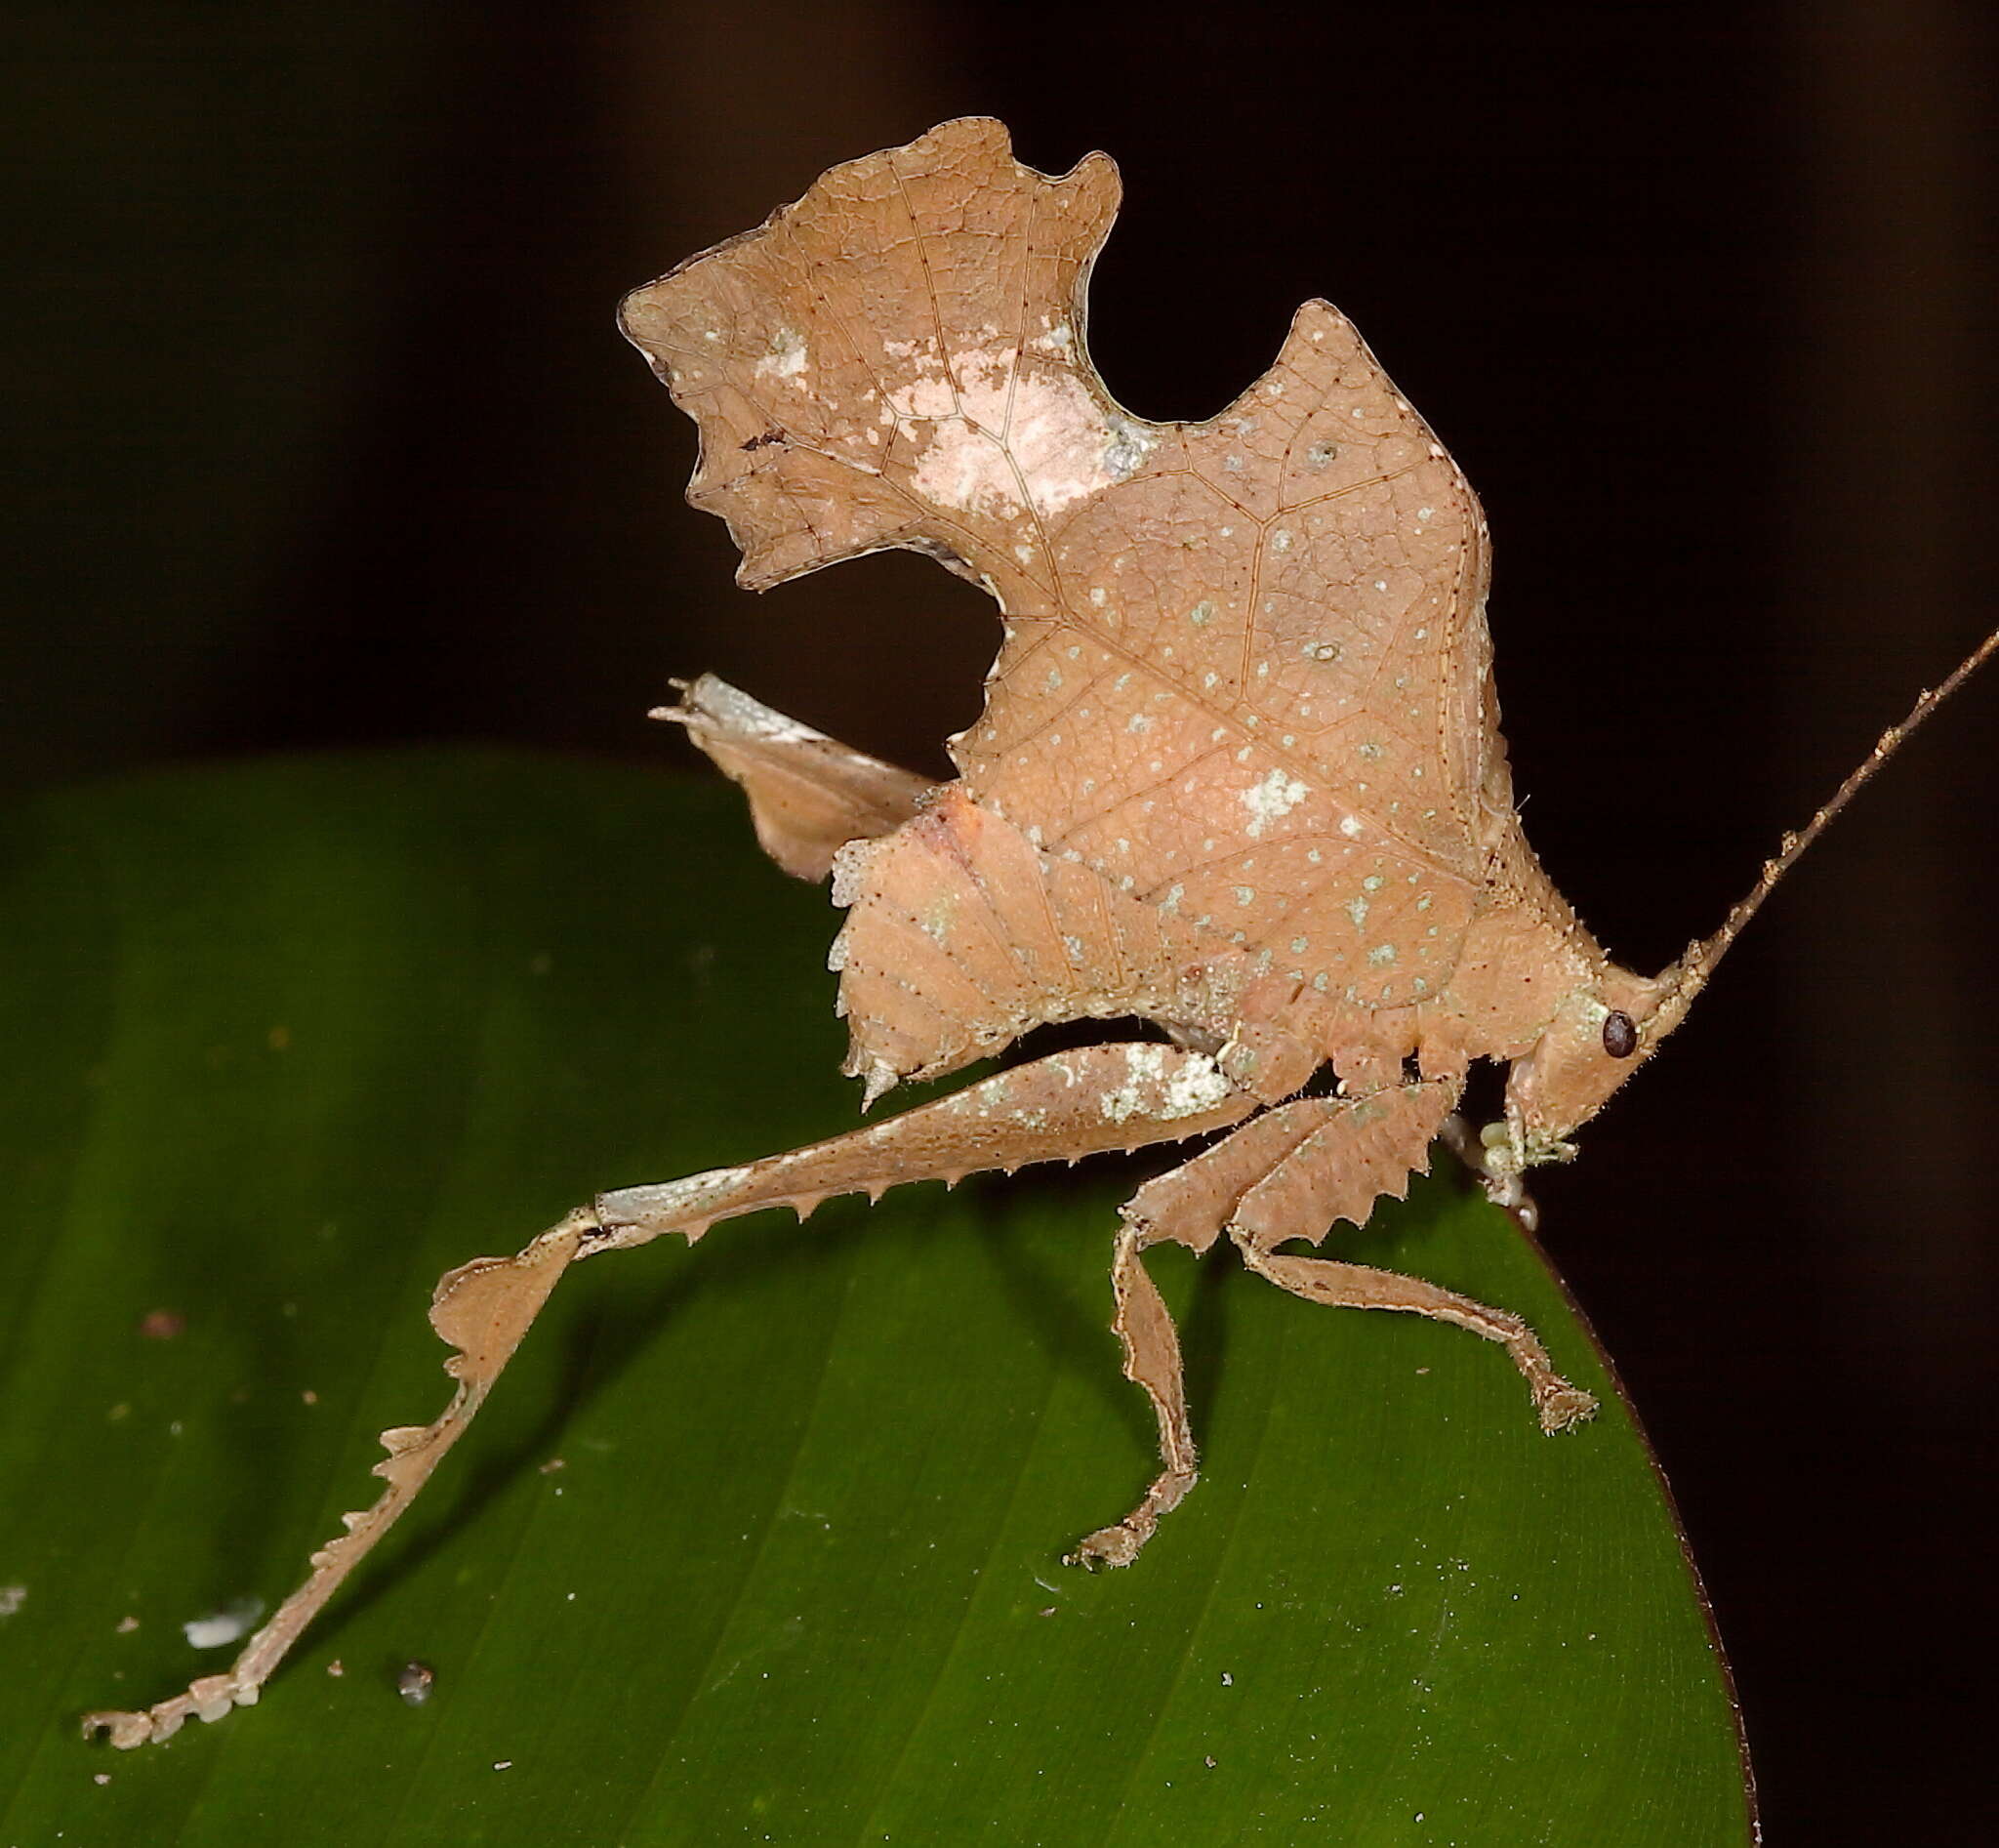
(1246, 676)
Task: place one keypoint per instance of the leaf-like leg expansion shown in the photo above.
(1297, 1169)
(1294, 1171)
(1362, 1149)
(1336, 1172)
(483, 1309)
(809, 794)
(1363, 1286)
(1058, 1108)
(1152, 1360)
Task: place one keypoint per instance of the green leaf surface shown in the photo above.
(757, 1541)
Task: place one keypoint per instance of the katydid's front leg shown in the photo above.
(1060, 1108)
(1316, 1185)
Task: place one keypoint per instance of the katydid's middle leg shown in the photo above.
(1288, 1175)
(1152, 1359)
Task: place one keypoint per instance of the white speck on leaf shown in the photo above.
(221, 1628)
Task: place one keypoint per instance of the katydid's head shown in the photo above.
(1612, 1022)
(1601, 1033)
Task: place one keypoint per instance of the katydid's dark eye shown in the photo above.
(1620, 1036)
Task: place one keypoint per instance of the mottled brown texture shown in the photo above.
(1246, 676)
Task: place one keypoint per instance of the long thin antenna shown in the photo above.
(1703, 953)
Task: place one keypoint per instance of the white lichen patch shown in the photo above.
(1144, 1065)
(691, 1190)
(1272, 798)
(1128, 446)
(1196, 1085)
(787, 358)
(1005, 440)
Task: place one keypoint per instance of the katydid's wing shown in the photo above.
(1245, 676)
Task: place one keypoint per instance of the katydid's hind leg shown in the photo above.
(1055, 1109)
(1063, 1107)
(1342, 1286)
(483, 1309)
(1152, 1360)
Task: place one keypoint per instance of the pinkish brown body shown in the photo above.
(1240, 775)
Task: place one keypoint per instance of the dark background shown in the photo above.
(324, 437)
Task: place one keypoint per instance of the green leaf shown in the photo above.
(754, 1543)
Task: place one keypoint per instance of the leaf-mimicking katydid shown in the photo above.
(1239, 777)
